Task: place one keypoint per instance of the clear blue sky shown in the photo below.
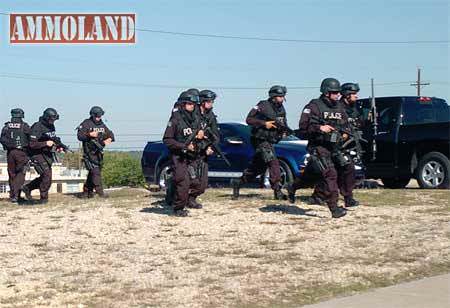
(213, 62)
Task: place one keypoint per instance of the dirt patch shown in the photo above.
(253, 252)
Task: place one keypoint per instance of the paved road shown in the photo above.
(433, 292)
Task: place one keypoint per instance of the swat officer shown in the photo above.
(320, 120)
(269, 126)
(43, 147)
(349, 97)
(181, 135)
(349, 92)
(170, 187)
(348, 100)
(95, 135)
(208, 123)
(15, 139)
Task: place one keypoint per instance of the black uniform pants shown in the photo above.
(17, 160)
(94, 181)
(334, 179)
(44, 181)
(264, 158)
(187, 181)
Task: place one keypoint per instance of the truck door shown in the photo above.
(388, 117)
(389, 110)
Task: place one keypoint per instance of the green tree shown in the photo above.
(122, 169)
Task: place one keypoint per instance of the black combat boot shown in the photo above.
(101, 193)
(236, 184)
(350, 202)
(14, 200)
(278, 194)
(42, 201)
(314, 200)
(291, 193)
(338, 212)
(181, 213)
(27, 192)
(193, 204)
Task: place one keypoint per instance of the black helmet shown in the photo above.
(17, 113)
(50, 114)
(349, 88)
(277, 91)
(96, 111)
(330, 85)
(186, 97)
(207, 95)
(193, 91)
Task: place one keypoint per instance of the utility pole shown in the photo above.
(79, 158)
(418, 84)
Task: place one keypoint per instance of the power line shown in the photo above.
(255, 38)
(165, 86)
(284, 40)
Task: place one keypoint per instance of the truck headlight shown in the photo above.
(306, 159)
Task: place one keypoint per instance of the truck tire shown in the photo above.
(163, 175)
(395, 183)
(433, 171)
(287, 176)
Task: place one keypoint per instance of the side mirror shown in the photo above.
(234, 140)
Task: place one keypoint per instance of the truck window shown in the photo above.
(426, 111)
(388, 110)
(441, 109)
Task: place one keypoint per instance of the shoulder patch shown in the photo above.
(169, 124)
(174, 109)
(306, 110)
(256, 107)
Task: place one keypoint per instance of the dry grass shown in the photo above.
(254, 252)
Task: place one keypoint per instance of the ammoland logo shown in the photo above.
(72, 28)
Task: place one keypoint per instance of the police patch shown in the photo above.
(169, 124)
(306, 110)
(256, 108)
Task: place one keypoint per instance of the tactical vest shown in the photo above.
(185, 127)
(354, 117)
(333, 116)
(205, 119)
(43, 132)
(16, 137)
(270, 113)
(100, 128)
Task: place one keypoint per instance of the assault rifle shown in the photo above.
(213, 142)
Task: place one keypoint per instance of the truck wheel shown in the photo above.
(163, 175)
(286, 176)
(433, 171)
(395, 183)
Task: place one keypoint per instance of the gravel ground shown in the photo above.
(254, 252)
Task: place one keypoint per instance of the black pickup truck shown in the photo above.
(412, 141)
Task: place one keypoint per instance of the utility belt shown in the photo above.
(272, 136)
(196, 170)
(317, 163)
(91, 164)
(41, 165)
(8, 150)
(265, 149)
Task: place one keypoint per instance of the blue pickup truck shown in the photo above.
(235, 144)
